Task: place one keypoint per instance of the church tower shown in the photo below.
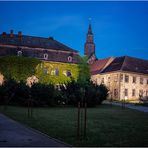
(89, 47)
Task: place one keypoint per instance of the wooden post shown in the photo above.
(78, 122)
(28, 109)
(82, 107)
(85, 119)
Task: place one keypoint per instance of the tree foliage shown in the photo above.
(17, 68)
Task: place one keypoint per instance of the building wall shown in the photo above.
(33, 70)
(1, 79)
(115, 81)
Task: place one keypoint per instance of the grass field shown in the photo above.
(106, 125)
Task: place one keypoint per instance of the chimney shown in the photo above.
(20, 34)
(4, 34)
(11, 33)
(51, 38)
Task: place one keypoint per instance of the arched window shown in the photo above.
(45, 56)
(19, 53)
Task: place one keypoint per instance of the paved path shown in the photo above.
(14, 134)
(131, 106)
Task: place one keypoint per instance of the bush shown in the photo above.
(89, 92)
(43, 95)
(71, 93)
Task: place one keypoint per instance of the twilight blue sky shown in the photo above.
(120, 28)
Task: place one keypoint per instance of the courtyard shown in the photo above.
(106, 125)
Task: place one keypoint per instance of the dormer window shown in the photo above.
(19, 53)
(70, 59)
(45, 56)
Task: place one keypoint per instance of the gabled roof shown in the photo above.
(99, 65)
(126, 63)
(32, 41)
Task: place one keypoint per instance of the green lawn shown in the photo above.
(106, 125)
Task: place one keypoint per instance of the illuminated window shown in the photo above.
(19, 53)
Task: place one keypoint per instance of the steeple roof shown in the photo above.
(89, 29)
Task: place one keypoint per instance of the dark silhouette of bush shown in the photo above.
(88, 92)
(43, 95)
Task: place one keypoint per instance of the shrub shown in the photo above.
(74, 92)
(43, 94)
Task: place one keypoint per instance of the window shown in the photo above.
(134, 79)
(102, 80)
(126, 92)
(55, 72)
(121, 77)
(141, 80)
(45, 56)
(115, 93)
(126, 78)
(45, 71)
(108, 79)
(141, 92)
(69, 59)
(68, 73)
(19, 53)
(115, 78)
(133, 92)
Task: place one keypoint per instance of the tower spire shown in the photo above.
(89, 28)
(89, 47)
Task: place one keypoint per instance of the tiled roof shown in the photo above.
(99, 65)
(126, 63)
(31, 41)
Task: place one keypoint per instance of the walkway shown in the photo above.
(131, 106)
(14, 134)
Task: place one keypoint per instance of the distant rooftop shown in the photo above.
(32, 41)
(99, 65)
(127, 63)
